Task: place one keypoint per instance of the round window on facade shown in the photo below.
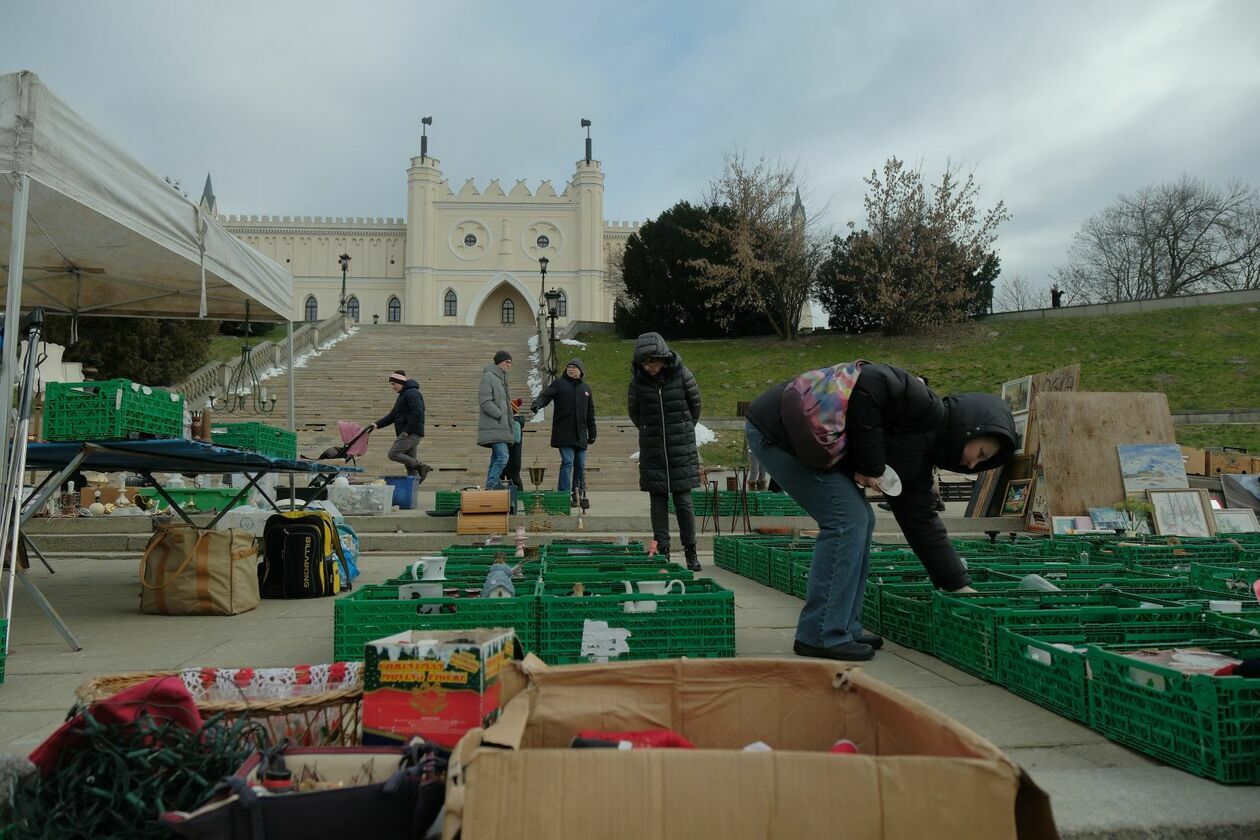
(543, 242)
(470, 240)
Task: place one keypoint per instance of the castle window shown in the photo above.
(562, 306)
(312, 308)
(450, 304)
(395, 310)
(352, 308)
(508, 312)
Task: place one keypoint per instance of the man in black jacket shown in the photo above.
(572, 425)
(407, 416)
(663, 401)
(892, 420)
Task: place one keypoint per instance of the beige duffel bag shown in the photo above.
(195, 571)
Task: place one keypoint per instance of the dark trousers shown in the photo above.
(512, 472)
(660, 518)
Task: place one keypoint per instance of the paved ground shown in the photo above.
(1099, 789)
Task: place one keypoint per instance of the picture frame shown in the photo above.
(1151, 466)
(1182, 513)
(1110, 519)
(1061, 526)
(1021, 431)
(1018, 393)
(1015, 500)
(1236, 521)
(1038, 516)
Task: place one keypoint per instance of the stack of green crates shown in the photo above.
(447, 501)
(774, 504)
(110, 410)
(553, 501)
(256, 437)
(699, 622)
(373, 612)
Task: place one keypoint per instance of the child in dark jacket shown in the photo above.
(829, 434)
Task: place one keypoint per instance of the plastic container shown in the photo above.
(362, 499)
(255, 437)
(406, 491)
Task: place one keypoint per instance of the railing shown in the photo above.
(212, 379)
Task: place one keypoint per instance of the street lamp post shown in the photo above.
(542, 283)
(552, 296)
(344, 261)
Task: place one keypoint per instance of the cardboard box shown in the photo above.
(481, 523)
(485, 501)
(1195, 460)
(919, 773)
(1227, 462)
(436, 684)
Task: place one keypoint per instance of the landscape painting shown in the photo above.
(1018, 393)
(1152, 466)
(1182, 513)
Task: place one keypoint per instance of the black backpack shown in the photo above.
(302, 557)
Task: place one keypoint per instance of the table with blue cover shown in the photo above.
(146, 457)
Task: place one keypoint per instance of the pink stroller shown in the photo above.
(354, 442)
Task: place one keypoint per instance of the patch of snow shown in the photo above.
(574, 342)
(704, 435)
(533, 345)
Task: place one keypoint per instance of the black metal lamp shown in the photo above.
(552, 296)
(344, 262)
(245, 394)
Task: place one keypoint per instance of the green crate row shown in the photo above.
(110, 409)
(552, 501)
(256, 437)
(603, 623)
(729, 502)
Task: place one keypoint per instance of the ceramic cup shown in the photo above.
(636, 606)
(662, 587)
(429, 568)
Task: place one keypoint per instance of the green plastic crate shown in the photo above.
(800, 583)
(608, 573)
(1234, 581)
(473, 576)
(1203, 724)
(193, 499)
(699, 623)
(446, 501)
(1175, 556)
(964, 626)
(579, 553)
(902, 604)
(765, 503)
(373, 612)
(728, 503)
(1057, 679)
(256, 437)
(110, 410)
(724, 553)
(754, 558)
(553, 501)
(783, 559)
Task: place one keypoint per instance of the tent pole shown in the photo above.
(292, 420)
(12, 328)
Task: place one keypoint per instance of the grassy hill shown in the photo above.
(1202, 358)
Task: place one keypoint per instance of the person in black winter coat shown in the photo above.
(572, 424)
(872, 422)
(663, 402)
(407, 416)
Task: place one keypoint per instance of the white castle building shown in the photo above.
(461, 257)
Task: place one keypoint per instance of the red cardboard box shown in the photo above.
(435, 684)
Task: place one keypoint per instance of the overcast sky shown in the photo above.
(313, 108)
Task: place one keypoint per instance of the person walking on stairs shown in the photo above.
(494, 424)
(663, 402)
(572, 426)
(407, 416)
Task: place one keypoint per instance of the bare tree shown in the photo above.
(1018, 292)
(772, 256)
(1172, 239)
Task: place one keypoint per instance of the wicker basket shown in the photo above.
(325, 718)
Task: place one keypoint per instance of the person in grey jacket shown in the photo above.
(494, 425)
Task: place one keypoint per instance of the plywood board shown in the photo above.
(1079, 434)
(1054, 381)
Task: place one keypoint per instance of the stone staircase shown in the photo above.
(348, 382)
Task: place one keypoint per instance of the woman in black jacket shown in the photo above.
(572, 425)
(663, 401)
(829, 434)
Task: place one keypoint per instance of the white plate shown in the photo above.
(890, 482)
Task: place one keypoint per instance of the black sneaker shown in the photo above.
(847, 651)
(693, 562)
(874, 641)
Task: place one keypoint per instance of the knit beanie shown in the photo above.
(502, 356)
(400, 378)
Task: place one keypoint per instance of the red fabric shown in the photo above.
(844, 747)
(161, 698)
(348, 430)
(642, 739)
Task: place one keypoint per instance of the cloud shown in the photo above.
(302, 107)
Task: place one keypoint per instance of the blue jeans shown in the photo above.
(572, 463)
(842, 553)
(498, 463)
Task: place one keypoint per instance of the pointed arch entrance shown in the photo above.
(487, 307)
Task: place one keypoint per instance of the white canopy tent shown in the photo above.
(86, 230)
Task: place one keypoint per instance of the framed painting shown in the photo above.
(1018, 394)
(1038, 518)
(1015, 502)
(1151, 466)
(1236, 521)
(1061, 526)
(1110, 519)
(1182, 513)
(1021, 431)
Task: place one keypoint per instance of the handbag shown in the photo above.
(197, 571)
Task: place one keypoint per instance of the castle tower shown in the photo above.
(588, 183)
(424, 183)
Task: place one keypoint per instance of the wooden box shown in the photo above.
(485, 501)
(1195, 460)
(1219, 463)
(482, 523)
